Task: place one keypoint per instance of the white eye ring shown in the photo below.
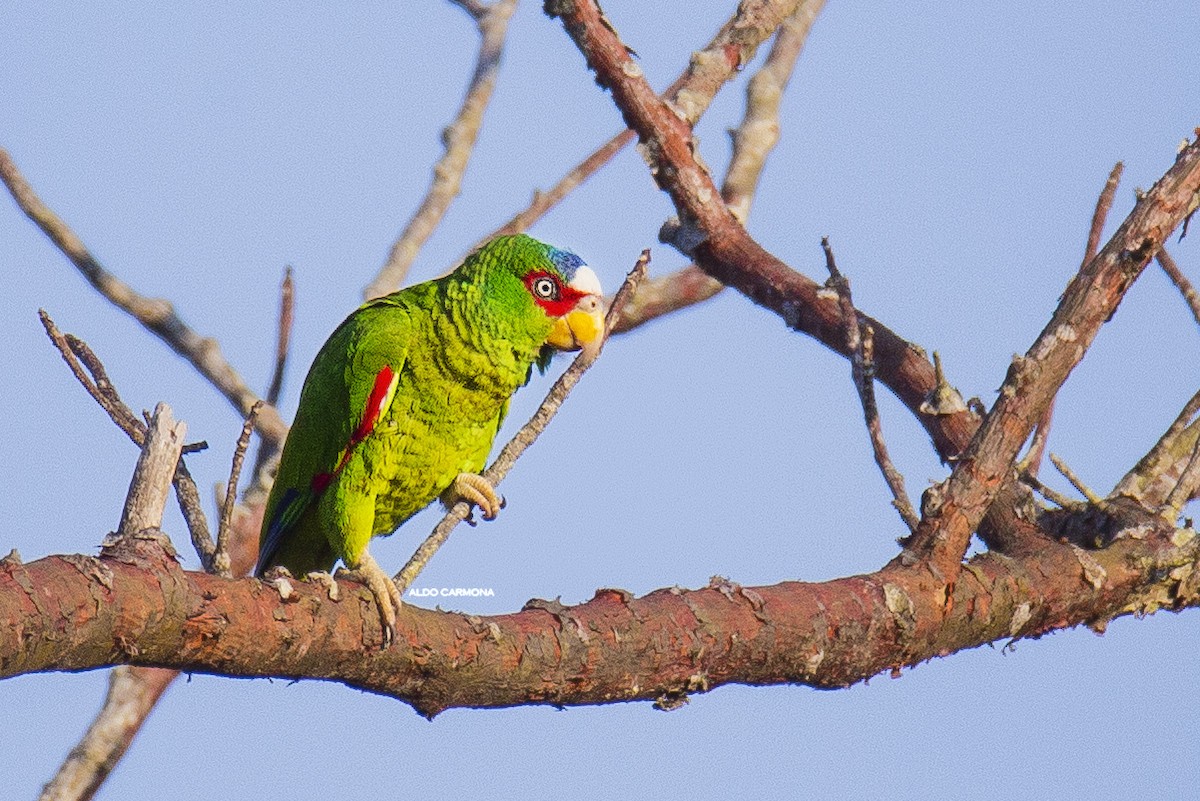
(545, 288)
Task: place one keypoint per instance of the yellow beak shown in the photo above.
(582, 327)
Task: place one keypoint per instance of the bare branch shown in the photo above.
(585, 654)
(220, 561)
(151, 482)
(710, 234)
(1100, 215)
(1145, 482)
(287, 301)
(860, 341)
(156, 315)
(1181, 281)
(527, 434)
(75, 350)
(459, 138)
(1185, 489)
(1076, 482)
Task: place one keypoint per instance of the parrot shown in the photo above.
(402, 403)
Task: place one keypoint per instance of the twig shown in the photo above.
(1050, 494)
(527, 434)
(1075, 480)
(860, 341)
(156, 315)
(1032, 461)
(268, 449)
(287, 301)
(220, 560)
(459, 138)
(74, 351)
(753, 140)
(1181, 281)
(1100, 215)
(733, 46)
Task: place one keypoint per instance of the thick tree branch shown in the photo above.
(142, 608)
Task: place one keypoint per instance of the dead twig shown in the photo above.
(1100, 215)
(526, 435)
(1172, 447)
(76, 353)
(1181, 282)
(220, 561)
(459, 138)
(1185, 489)
(1076, 482)
(860, 341)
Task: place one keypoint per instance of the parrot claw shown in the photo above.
(477, 490)
(387, 594)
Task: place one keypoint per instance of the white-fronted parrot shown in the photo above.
(403, 401)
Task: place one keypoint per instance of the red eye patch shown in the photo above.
(551, 293)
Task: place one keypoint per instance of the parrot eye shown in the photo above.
(545, 288)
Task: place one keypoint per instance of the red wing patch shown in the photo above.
(381, 395)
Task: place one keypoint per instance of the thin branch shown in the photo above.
(1100, 215)
(1049, 493)
(1190, 296)
(1076, 482)
(1031, 463)
(76, 353)
(156, 315)
(220, 560)
(860, 341)
(459, 138)
(527, 434)
(287, 302)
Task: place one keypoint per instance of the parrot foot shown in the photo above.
(477, 490)
(387, 594)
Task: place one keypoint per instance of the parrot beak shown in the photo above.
(583, 326)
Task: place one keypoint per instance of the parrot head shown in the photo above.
(552, 289)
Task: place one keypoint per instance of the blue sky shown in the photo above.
(953, 154)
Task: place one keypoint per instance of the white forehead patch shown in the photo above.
(585, 281)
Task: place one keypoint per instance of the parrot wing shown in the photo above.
(348, 390)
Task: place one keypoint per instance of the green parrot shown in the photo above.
(402, 403)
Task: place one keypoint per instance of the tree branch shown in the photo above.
(142, 608)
